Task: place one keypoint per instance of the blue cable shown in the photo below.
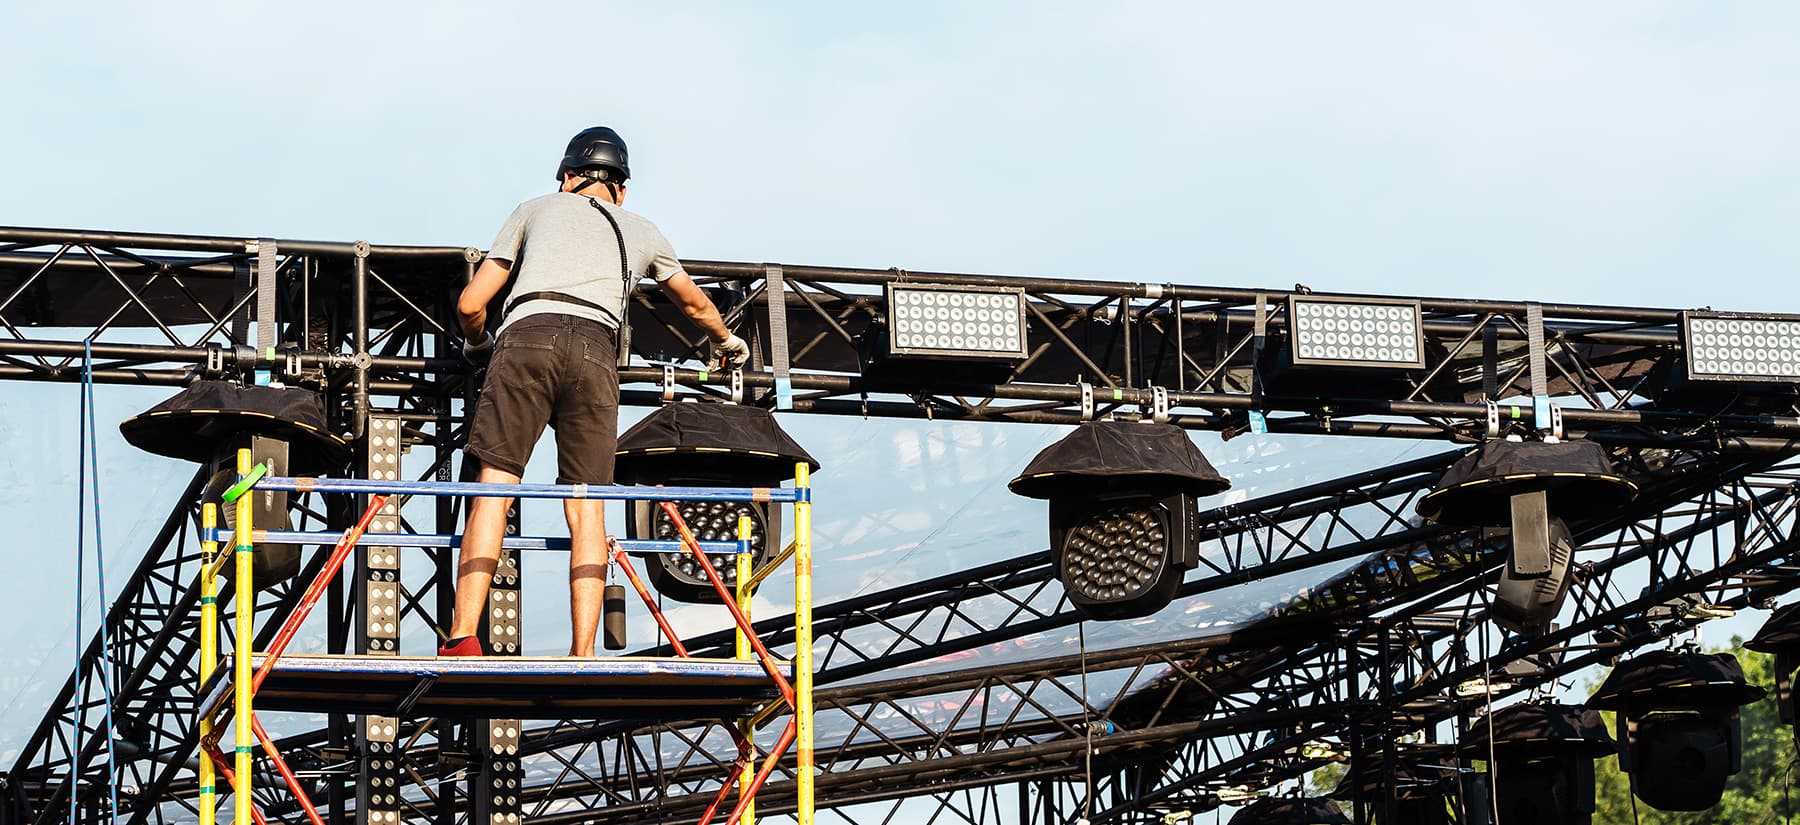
(89, 474)
(80, 567)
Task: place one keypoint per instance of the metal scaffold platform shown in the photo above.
(635, 688)
(525, 687)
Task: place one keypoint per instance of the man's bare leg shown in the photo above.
(587, 571)
(480, 554)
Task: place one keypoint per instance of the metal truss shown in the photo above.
(367, 316)
(1369, 650)
(1182, 720)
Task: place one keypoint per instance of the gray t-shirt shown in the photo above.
(559, 243)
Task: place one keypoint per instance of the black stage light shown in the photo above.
(706, 445)
(1425, 791)
(1526, 488)
(1541, 761)
(207, 418)
(1677, 722)
(209, 421)
(1123, 506)
(1290, 810)
(1780, 636)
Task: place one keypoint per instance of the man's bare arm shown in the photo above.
(693, 302)
(471, 308)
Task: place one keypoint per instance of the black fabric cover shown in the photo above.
(729, 443)
(1119, 454)
(1674, 679)
(1477, 489)
(1533, 728)
(1412, 779)
(209, 416)
(1782, 630)
(1290, 811)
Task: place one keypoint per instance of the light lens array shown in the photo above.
(956, 321)
(1116, 554)
(1736, 348)
(1373, 333)
(710, 521)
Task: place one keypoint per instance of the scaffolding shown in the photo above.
(753, 686)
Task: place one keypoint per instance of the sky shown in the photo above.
(1633, 153)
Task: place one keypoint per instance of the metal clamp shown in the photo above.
(1493, 420)
(668, 383)
(291, 365)
(1087, 400)
(1159, 405)
(243, 359)
(215, 360)
(1553, 429)
(737, 386)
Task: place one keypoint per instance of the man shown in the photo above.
(573, 257)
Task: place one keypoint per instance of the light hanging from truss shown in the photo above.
(1523, 489)
(1724, 346)
(706, 445)
(1356, 332)
(1679, 734)
(955, 322)
(1123, 512)
(1541, 760)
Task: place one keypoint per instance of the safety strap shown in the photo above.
(266, 266)
(1259, 423)
(778, 336)
(557, 296)
(1534, 339)
(624, 346)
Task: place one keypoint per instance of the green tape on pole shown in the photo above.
(209, 600)
(233, 493)
(242, 548)
(246, 749)
(207, 790)
(1118, 394)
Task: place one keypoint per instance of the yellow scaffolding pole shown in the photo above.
(745, 586)
(803, 643)
(209, 653)
(245, 598)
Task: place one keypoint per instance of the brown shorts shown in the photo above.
(556, 370)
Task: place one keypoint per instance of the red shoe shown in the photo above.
(465, 646)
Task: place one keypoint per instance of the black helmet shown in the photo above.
(596, 146)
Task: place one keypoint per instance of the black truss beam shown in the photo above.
(1375, 651)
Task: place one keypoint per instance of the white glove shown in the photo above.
(731, 353)
(478, 352)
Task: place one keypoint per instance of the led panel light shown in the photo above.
(1122, 557)
(932, 320)
(710, 521)
(1117, 553)
(1356, 332)
(1725, 346)
(677, 575)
